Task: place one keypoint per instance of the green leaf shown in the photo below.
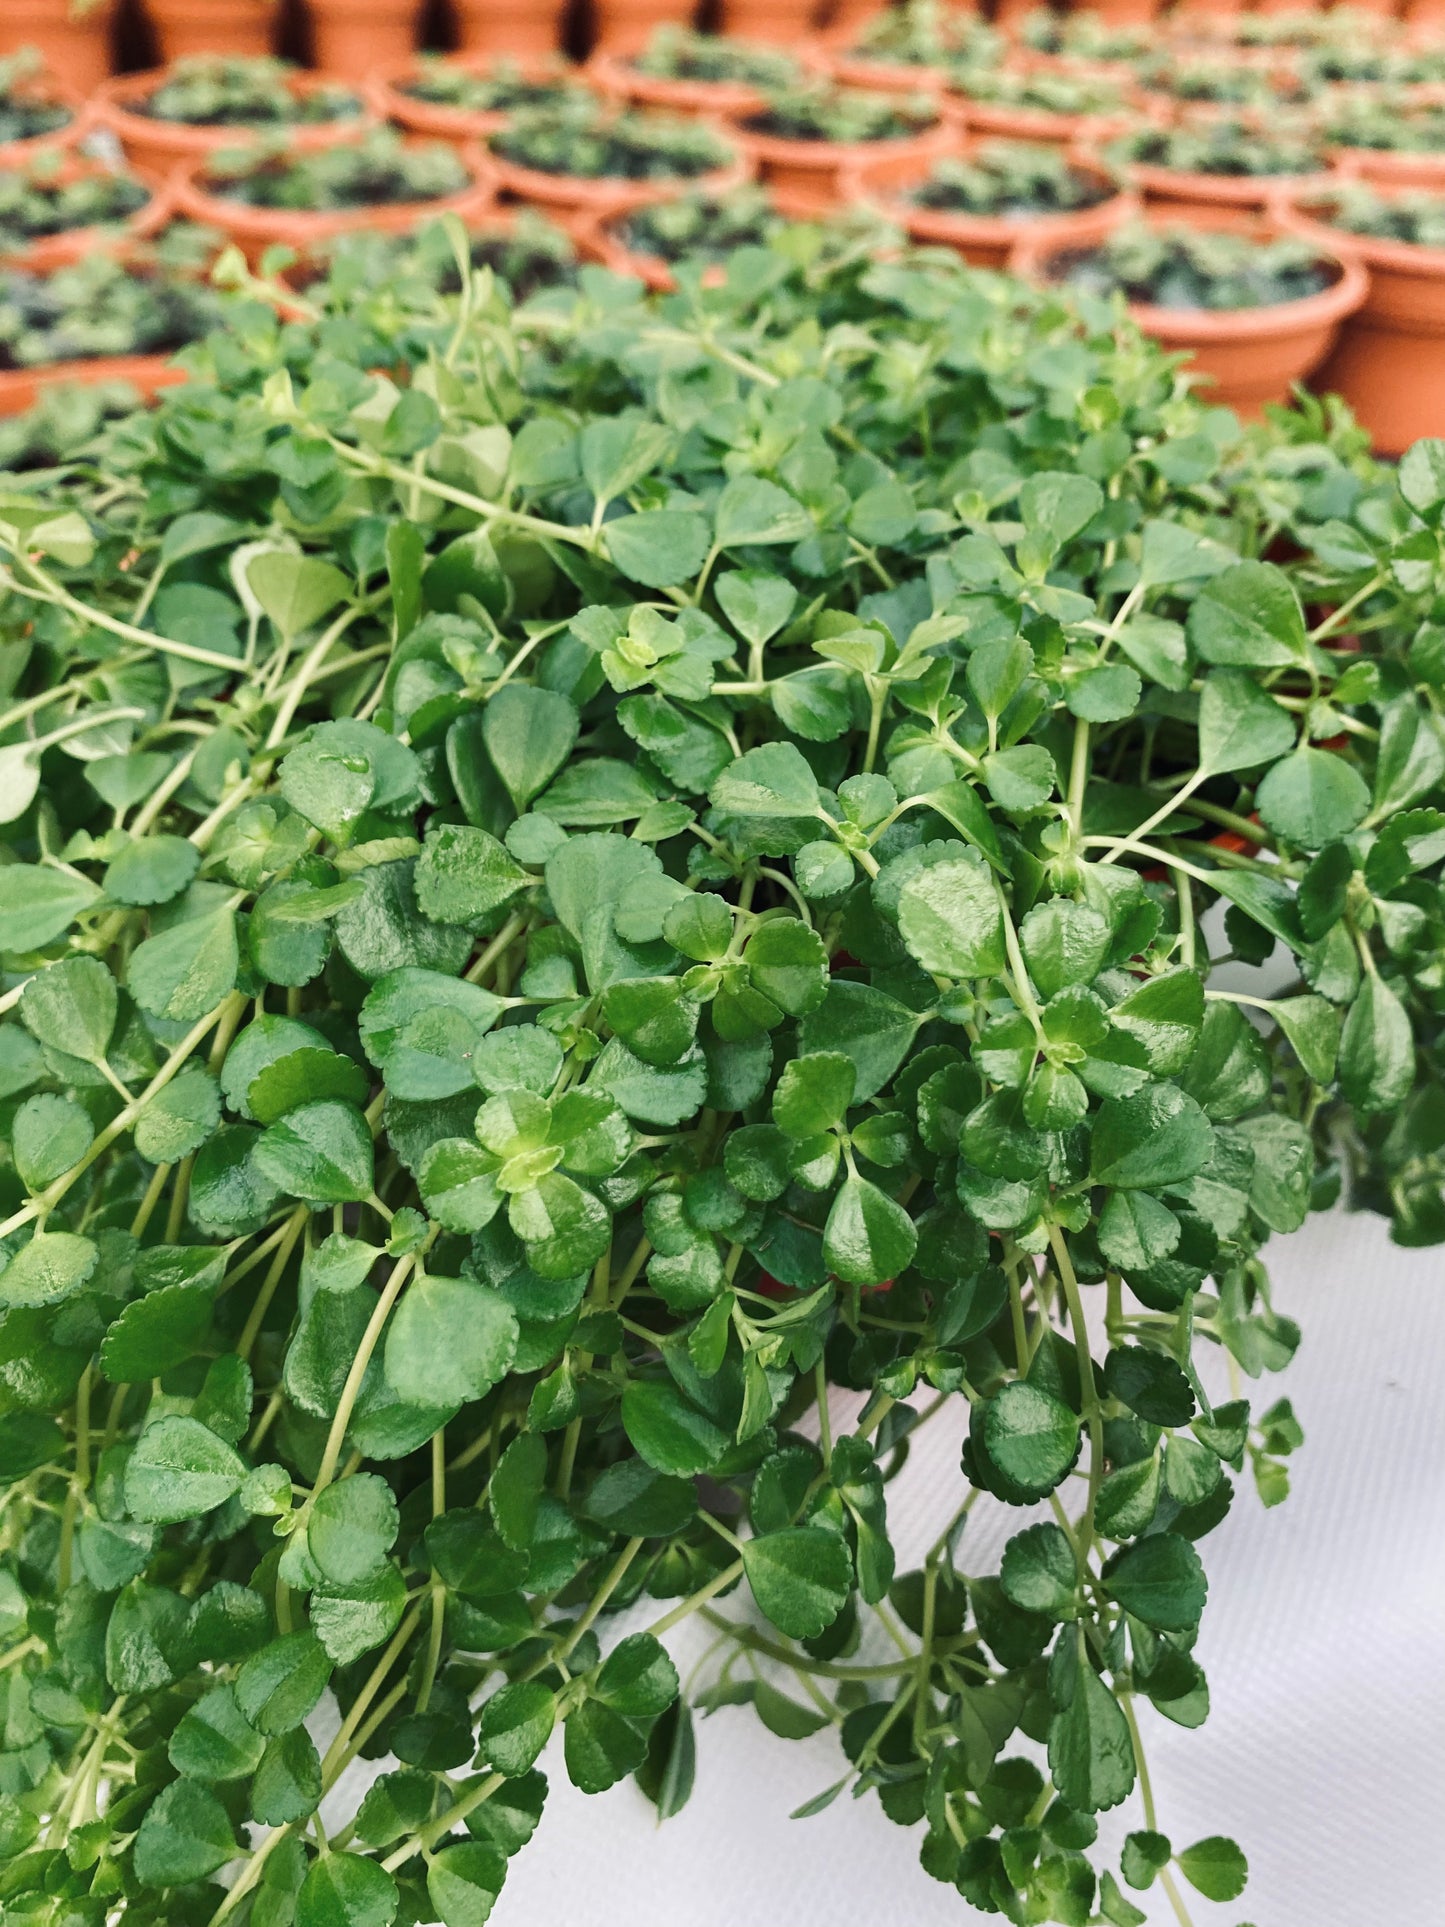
(1248, 615)
(1241, 726)
(353, 1620)
(185, 1836)
(353, 1526)
(1159, 1136)
(814, 1092)
(751, 511)
(463, 1882)
(319, 1152)
(1160, 1581)
(279, 1686)
(515, 1489)
(516, 1724)
(637, 1677)
(215, 1740)
(53, 1266)
(345, 1890)
(775, 780)
(801, 1578)
(463, 875)
(71, 1006)
(450, 1340)
(869, 1237)
(151, 870)
(287, 1785)
(186, 970)
(422, 1030)
(756, 603)
(295, 591)
(1215, 1867)
(529, 733)
(1032, 1437)
(1038, 1574)
(179, 1470)
(951, 919)
(1312, 797)
(1091, 1755)
(38, 903)
(1063, 943)
(49, 1136)
(601, 1747)
(467, 566)
(789, 964)
(179, 1118)
(669, 1431)
(662, 548)
(1377, 1052)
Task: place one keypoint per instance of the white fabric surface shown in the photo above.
(1324, 1641)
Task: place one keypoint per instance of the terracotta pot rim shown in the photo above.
(1223, 190)
(1375, 251)
(20, 387)
(612, 73)
(883, 76)
(300, 226)
(929, 142)
(956, 226)
(1039, 124)
(52, 92)
(112, 106)
(606, 193)
(46, 252)
(383, 95)
(1387, 161)
(1205, 327)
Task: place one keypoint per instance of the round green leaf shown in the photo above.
(1032, 1437)
(186, 1835)
(450, 1340)
(801, 1578)
(319, 1152)
(516, 1724)
(179, 1470)
(463, 1882)
(344, 1890)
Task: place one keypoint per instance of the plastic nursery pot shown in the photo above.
(1389, 359)
(76, 48)
(254, 229)
(49, 93)
(164, 144)
(63, 250)
(509, 26)
(618, 25)
(805, 178)
(386, 95)
(1038, 124)
(784, 22)
(22, 388)
(614, 75)
(185, 27)
(1173, 190)
(840, 57)
(1249, 357)
(600, 238)
(590, 195)
(351, 37)
(988, 240)
(1384, 167)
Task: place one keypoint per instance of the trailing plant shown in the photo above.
(676, 53)
(844, 116)
(1085, 36)
(1391, 123)
(561, 901)
(25, 111)
(923, 33)
(1044, 90)
(51, 197)
(101, 306)
(1360, 60)
(704, 228)
(381, 170)
(1174, 266)
(214, 90)
(1237, 149)
(1231, 83)
(590, 141)
(501, 88)
(1416, 216)
(522, 248)
(1012, 178)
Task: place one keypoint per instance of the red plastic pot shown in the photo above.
(388, 99)
(1252, 356)
(524, 28)
(987, 241)
(186, 27)
(578, 194)
(165, 144)
(254, 229)
(63, 250)
(806, 178)
(22, 388)
(1389, 359)
(76, 49)
(351, 37)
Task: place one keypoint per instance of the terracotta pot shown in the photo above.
(186, 27)
(1249, 357)
(1175, 190)
(584, 195)
(987, 240)
(164, 144)
(516, 27)
(77, 51)
(618, 25)
(1123, 13)
(850, 16)
(254, 229)
(19, 154)
(51, 251)
(1429, 14)
(615, 76)
(1011, 14)
(784, 22)
(21, 388)
(1384, 168)
(597, 237)
(388, 100)
(843, 62)
(1389, 359)
(351, 37)
(1038, 124)
(805, 178)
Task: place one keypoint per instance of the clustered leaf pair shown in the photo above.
(657, 861)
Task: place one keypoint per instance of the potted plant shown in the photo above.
(349, 38)
(982, 201)
(1220, 162)
(910, 46)
(1389, 360)
(116, 315)
(1086, 38)
(186, 27)
(517, 1094)
(180, 114)
(1030, 102)
(595, 156)
(1255, 308)
(695, 73)
(387, 182)
(62, 206)
(1389, 138)
(699, 229)
(37, 114)
(1223, 84)
(803, 141)
(465, 100)
(72, 38)
(518, 246)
